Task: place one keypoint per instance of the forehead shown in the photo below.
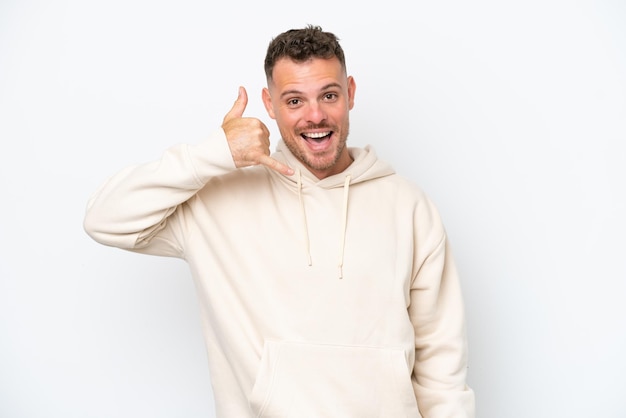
(306, 75)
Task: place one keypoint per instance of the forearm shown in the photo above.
(134, 203)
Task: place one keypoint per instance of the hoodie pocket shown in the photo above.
(304, 380)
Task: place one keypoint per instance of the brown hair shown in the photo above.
(301, 45)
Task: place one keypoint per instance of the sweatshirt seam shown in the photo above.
(313, 343)
(430, 255)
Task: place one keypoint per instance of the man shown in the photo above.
(326, 282)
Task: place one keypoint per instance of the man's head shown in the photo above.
(310, 95)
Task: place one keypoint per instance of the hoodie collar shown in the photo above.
(366, 166)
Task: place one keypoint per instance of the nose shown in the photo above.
(315, 113)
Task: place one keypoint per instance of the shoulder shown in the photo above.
(404, 187)
(409, 194)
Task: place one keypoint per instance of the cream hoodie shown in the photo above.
(333, 298)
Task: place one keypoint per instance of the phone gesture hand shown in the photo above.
(249, 138)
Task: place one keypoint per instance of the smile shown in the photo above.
(316, 136)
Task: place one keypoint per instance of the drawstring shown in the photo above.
(306, 228)
(344, 224)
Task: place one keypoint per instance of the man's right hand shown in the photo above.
(249, 138)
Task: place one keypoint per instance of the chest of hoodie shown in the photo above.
(317, 241)
(362, 270)
(318, 252)
(309, 231)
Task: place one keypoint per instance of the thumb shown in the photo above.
(239, 106)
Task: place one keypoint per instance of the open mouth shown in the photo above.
(316, 137)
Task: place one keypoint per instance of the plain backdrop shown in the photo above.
(511, 115)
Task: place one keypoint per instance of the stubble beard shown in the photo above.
(313, 163)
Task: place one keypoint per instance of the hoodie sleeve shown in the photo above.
(437, 313)
(129, 209)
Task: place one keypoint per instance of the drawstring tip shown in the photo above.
(340, 272)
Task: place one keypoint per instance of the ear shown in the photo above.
(351, 91)
(267, 102)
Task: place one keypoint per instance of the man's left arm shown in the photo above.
(437, 313)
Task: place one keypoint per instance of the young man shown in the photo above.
(326, 282)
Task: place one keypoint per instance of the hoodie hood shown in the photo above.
(365, 166)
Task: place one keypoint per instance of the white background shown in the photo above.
(511, 115)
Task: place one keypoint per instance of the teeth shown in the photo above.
(317, 135)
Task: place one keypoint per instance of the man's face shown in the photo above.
(310, 102)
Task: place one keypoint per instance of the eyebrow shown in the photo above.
(326, 87)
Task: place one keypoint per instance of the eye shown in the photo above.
(330, 97)
(293, 102)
